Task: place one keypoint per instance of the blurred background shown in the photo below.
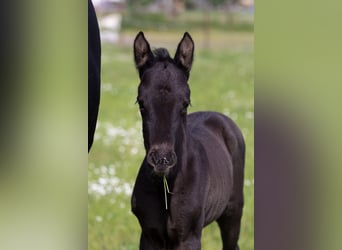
(222, 79)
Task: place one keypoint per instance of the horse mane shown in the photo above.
(161, 54)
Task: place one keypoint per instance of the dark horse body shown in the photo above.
(94, 69)
(201, 155)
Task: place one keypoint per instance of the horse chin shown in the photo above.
(161, 170)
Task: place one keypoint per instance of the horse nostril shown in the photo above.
(174, 157)
(152, 159)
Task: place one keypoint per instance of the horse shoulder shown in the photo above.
(213, 124)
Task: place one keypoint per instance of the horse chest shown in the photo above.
(184, 216)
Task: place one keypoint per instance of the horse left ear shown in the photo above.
(185, 52)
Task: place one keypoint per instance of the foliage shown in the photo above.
(135, 18)
(217, 2)
(139, 2)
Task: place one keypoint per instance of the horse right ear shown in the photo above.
(185, 52)
(142, 51)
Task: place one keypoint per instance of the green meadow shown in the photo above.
(221, 80)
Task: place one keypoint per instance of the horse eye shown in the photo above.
(141, 106)
(185, 108)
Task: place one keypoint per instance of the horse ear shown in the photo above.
(185, 52)
(142, 50)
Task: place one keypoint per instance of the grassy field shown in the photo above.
(221, 80)
(216, 19)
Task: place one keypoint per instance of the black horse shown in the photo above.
(94, 70)
(193, 171)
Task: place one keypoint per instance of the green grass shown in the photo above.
(221, 80)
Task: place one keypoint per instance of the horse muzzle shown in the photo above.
(161, 159)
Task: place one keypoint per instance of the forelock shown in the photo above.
(161, 54)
